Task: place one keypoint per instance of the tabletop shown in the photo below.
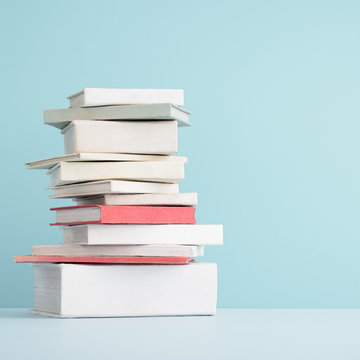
(231, 334)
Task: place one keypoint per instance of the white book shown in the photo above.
(151, 171)
(99, 234)
(140, 137)
(74, 290)
(94, 188)
(61, 117)
(117, 250)
(48, 163)
(103, 97)
(180, 199)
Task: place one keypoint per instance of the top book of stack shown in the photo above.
(90, 97)
(121, 104)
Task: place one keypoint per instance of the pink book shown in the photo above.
(123, 214)
(154, 260)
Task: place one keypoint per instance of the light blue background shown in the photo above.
(273, 151)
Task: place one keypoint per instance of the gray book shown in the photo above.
(61, 117)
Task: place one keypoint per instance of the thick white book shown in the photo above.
(94, 188)
(117, 250)
(98, 234)
(180, 199)
(61, 117)
(103, 97)
(74, 290)
(141, 137)
(151, 171)
(48, 163)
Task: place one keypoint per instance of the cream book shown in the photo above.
(103, 97)
(159, 112)
(98, 234)
(117, 250)
(74, 290)
(96, 188)
(151, 171)
(48, 163)
(141, 137)
(179, 199)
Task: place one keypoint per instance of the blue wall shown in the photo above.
(273, 151)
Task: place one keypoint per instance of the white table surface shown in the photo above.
(231, 334)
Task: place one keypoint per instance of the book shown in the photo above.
(79, 290)
(103, 97)
(150, 171)
(128, 260)
(59, 118)
(180, 199)
(117, 250)
(114, 214)
(48, 163)
(140, 137)
(94, 188)
(95, 234)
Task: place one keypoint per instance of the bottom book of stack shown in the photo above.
(81, 290)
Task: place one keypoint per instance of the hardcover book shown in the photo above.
(61, 117)
(103, 97)
(121, 214)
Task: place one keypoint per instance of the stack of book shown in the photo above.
(130, 241)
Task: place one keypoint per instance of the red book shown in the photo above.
(122, 214)
(154, 260)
